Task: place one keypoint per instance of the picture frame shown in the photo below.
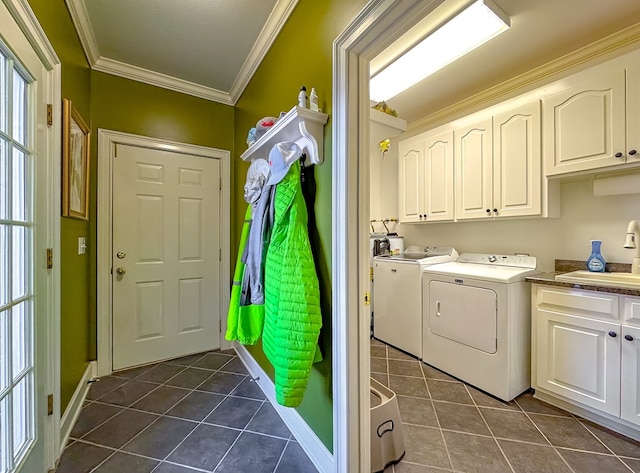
(76, 141)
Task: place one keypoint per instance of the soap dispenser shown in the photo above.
(596, 262)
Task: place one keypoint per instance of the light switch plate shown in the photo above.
(82, 245)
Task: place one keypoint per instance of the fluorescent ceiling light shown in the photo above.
(473, 26)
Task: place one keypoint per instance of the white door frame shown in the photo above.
(376, 27)
(24, 16)
(107, 139)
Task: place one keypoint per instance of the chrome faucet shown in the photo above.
(630, 242)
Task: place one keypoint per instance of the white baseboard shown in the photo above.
(308, 440)
(72, 411)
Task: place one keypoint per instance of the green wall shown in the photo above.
(301, 55)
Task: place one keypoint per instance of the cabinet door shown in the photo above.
(584, 126)
(578, 359)
(633, 113)
(410, 194)
(630, 386)
(438, 176)
(516, 161)
(474, 170)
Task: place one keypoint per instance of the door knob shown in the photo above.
(618, 155)
(613, 334)
(632, 152)
(628, 337)
(121, 270)
(121, 255)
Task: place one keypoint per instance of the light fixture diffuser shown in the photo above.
(472, 27)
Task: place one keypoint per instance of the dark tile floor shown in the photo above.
(200, 413)
(450, 426)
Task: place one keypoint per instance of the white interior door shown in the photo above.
(25, 297)
(166, 255)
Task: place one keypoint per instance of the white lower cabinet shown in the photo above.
(586, 350)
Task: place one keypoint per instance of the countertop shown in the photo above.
(565, 266)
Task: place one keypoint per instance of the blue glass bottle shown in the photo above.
(596, 262)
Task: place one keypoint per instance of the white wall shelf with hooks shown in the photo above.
(303, 126)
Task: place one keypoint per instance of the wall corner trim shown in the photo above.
(72, 412)
(308, 440)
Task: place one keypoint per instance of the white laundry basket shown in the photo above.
(387, 443)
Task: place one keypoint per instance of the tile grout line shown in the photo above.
(275, 468)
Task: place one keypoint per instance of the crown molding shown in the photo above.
(80, 18)
(121, 69)
(616, 43)
(277, 19)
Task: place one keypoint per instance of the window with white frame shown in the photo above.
(17, 398)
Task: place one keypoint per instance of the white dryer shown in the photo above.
(397, 311)
(477, 321)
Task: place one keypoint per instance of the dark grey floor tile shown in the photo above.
(381, 377)
(228, 351)
(294, 460)
(249, 388)
(133, 372)
(91, 416)
(448, 391)
(120, 429)
(378, 351)
(632, 463)
(160, 438)
(512, 425)
(407, 386)
(190, 378)
(567, 432)
(528, 403)
(395, 354)
(212, 361)
(406, 467)
(102, 386)
(81, 457)
(474, 454)
(461, 418)
(161, 399)
(417, 438)
(529, 458)
(196, 406)
(618, 443)
(234, 412)
(267, 421)
(585, 462)
(124, 463)
(253, 453)
(204, 447)
(186, 360)
(160, 373)
(432, 373)
(378, 365)
(235, 366)
(417, 411)
(485, 400)
(128, 393)
(405, 368)
(171, 468)
(222, 383)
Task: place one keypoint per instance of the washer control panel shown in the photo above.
(514, 261)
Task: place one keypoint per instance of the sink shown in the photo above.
(626, 280)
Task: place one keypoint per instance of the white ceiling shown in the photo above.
(211, 48)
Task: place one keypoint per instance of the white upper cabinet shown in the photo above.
(585, 125)
(426, 177)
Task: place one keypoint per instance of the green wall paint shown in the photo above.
(301, 55)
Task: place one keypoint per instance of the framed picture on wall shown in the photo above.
(75, 163)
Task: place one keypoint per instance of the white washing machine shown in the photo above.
(477, 326)
(397, 311)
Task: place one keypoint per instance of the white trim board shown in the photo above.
(74, 407)
(308, 440)
(107, 139)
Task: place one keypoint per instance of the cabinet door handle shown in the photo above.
(438, 308)
(618, 155)
(495, 211)
(488, 211)
(613, 334)
(632, 152)
(628, 337)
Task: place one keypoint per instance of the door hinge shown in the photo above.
(50, 405)
(49, 258)
(220, 183)
(50, 114)
(115, 150)
(220, 254)
(220, 325)
(367, 298)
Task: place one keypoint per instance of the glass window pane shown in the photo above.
(19, 263)
(20, 337)
(22, 415)
(4, 350)
(4, 265)
(19, 185)
(19, 108)
(4, 179)
(4, 429)
(3, 94)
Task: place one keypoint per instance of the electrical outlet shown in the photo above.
(82, 245)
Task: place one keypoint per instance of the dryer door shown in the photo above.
(464, 314)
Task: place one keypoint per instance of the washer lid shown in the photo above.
(484, 272)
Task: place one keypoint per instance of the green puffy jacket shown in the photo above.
(292, 295)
